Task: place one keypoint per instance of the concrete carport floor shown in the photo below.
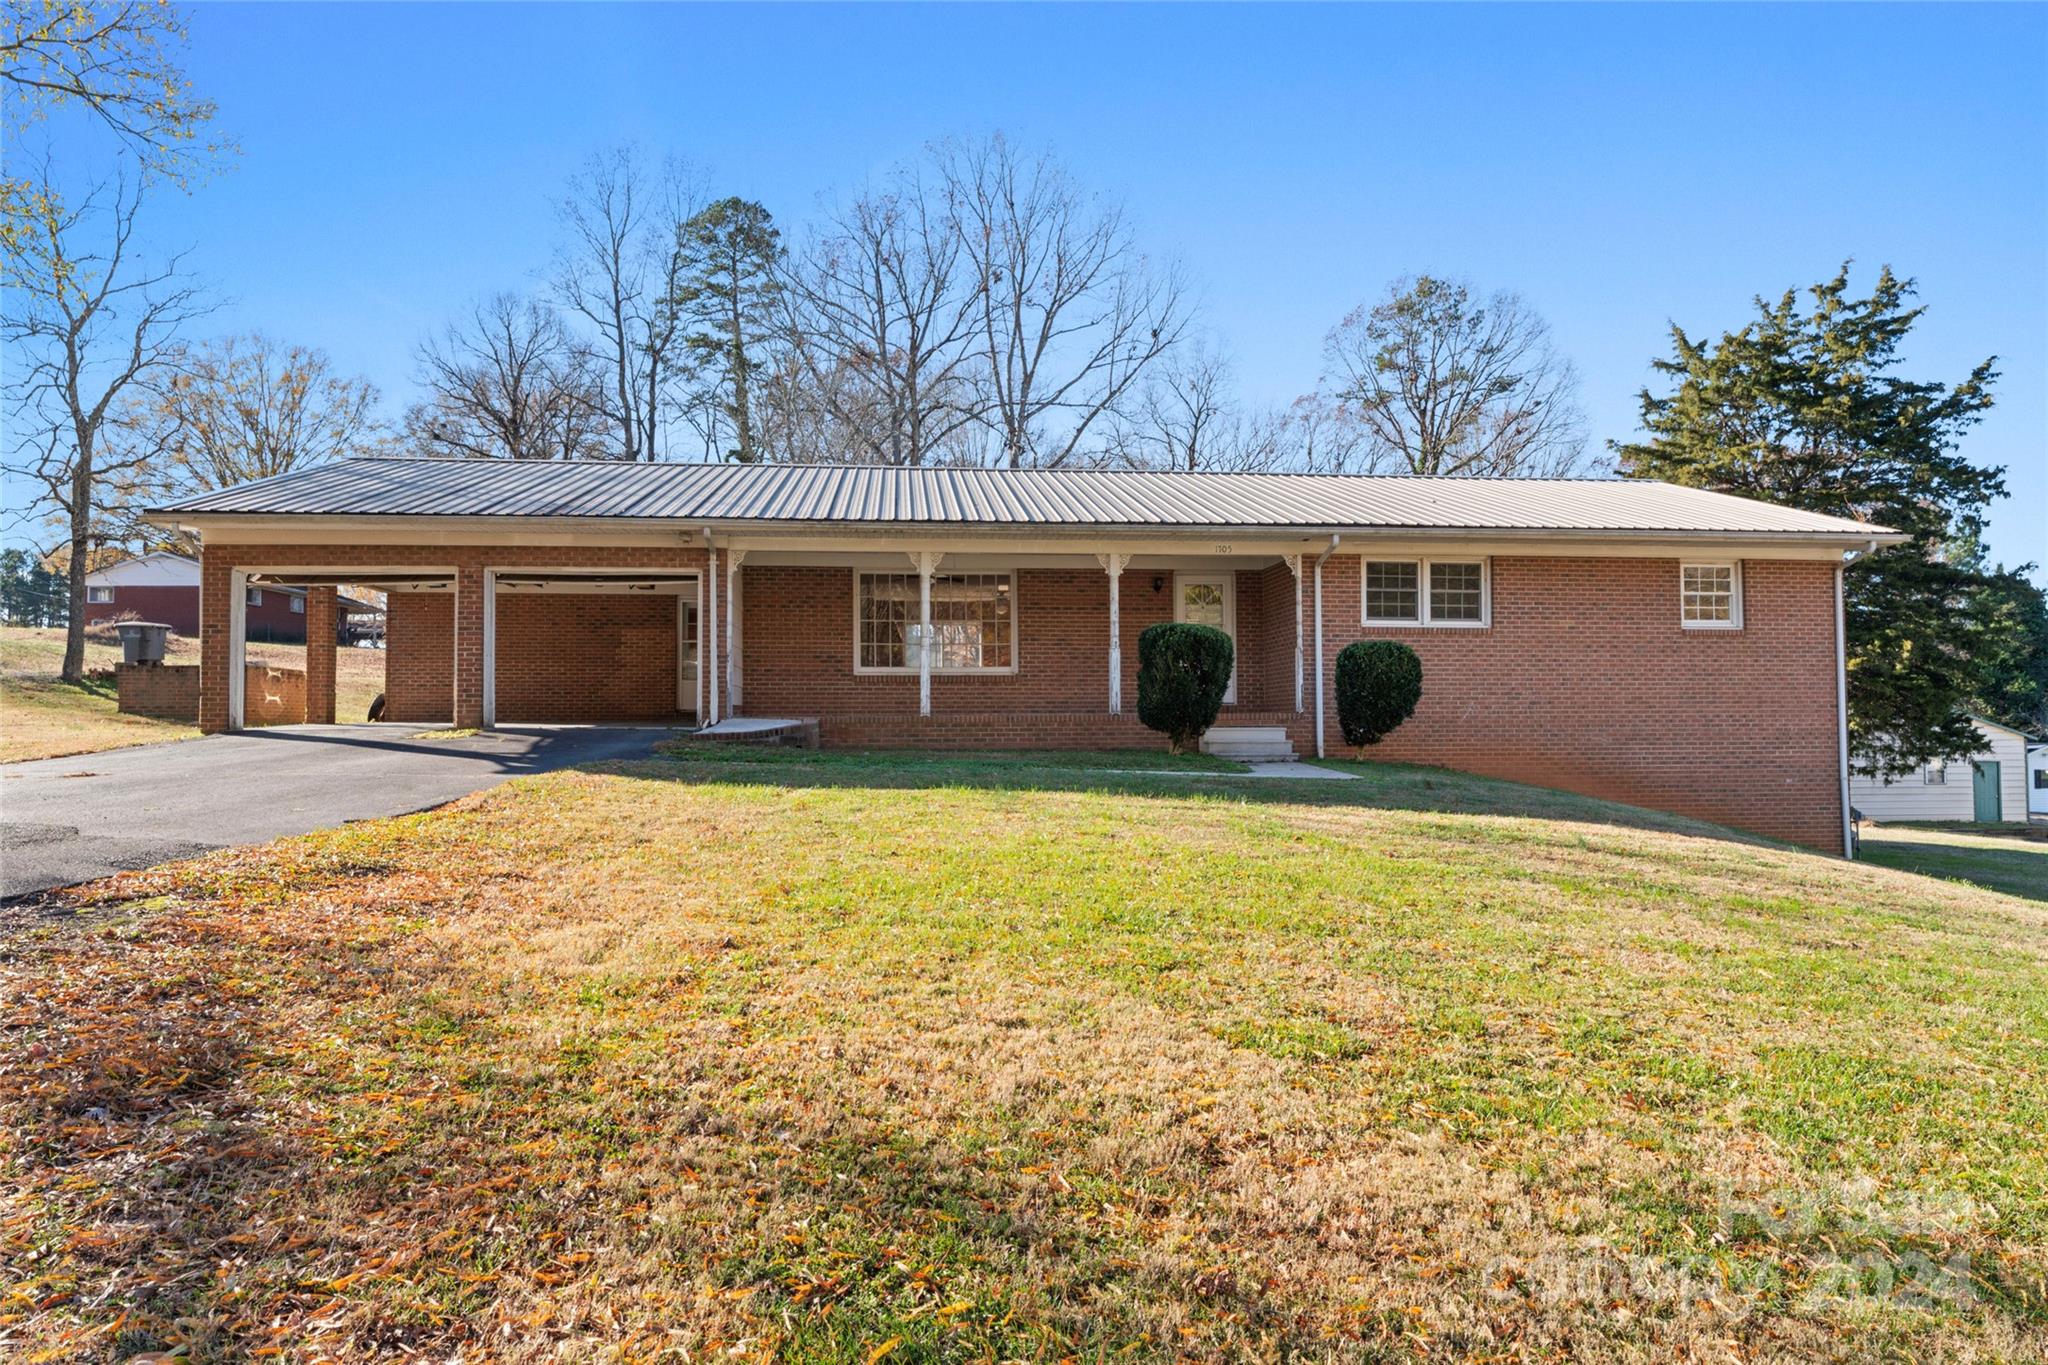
(67, 820)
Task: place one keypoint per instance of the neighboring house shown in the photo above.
(1628, 639)
(164, 586)
(1989, 785)
(2037, 779)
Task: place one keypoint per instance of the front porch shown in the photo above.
(969, 644)
(972, 648)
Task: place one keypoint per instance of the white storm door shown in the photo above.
(1210, 599)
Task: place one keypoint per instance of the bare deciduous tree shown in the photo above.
(619, 270)
(88, 321)
(1186, 416)
(1070, 313)
(242, 408)
(117, 63)
(880, 316)
(1442, 383)
(509, 384)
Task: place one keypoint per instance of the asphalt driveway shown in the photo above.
(66, 820)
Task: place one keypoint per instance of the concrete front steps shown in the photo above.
(1250, 743)
(764, 731)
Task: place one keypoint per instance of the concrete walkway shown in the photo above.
(1302, 771)
(66, 820)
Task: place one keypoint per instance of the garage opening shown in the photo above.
(584, 647)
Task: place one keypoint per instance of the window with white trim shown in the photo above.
(1936, 775)
(101, 595)
(1427, 592)
(974, 623)
(255, 598)
(1710, 596)
(2041, 779)
(298, 604)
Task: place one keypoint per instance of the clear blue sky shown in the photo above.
(1622, 168)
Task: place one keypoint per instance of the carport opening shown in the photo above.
(591, 647)
(394, 653)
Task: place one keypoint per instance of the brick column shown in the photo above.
(215, 585)
(320, 635)
(469, 647)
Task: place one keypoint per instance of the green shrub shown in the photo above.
(1183, 672)
(1378, 684)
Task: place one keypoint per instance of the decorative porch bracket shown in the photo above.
(926, 563)
(1114, 566)
(1294, 567)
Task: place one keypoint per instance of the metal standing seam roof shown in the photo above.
(852, 495)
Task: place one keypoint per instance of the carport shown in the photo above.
(429, 682)
(582, 646)
(558, 645)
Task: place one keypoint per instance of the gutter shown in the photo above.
(1334, 540)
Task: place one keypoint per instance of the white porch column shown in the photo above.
(733, 559)
(1294, 567)
(709, 666)
(238, 646)
(490, 648)
(927, 562)
(1114, 565)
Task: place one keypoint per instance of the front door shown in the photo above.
(1984, 778)
(1210, 599)
(686, 653)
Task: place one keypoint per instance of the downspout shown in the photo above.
(1842, 703)
(1319, 640)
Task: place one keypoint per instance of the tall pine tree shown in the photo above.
(728, 256)
(1801, 407)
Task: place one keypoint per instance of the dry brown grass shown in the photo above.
(44, 717)
(798, 1058)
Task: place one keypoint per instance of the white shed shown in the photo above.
(1990, 784)
(2037, 780)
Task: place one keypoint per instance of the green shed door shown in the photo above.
(1984, 786)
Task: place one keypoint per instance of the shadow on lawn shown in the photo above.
(2016, 865)
(1151, 773)
(136, 1139)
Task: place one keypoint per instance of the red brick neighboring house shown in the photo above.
(164, 586)
(1635, 640)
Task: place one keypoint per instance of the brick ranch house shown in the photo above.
(1654, 644)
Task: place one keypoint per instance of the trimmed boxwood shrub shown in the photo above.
(1183, 672)
(1378, 684)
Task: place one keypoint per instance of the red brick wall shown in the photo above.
(271, 696)
(419, 657)
(1586, 681)
(1268, 596)
(583, 657)
(162, 691)
(796, 642)
(177, 608)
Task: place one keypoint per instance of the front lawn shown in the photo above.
(784, 1055)
(42, 716)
